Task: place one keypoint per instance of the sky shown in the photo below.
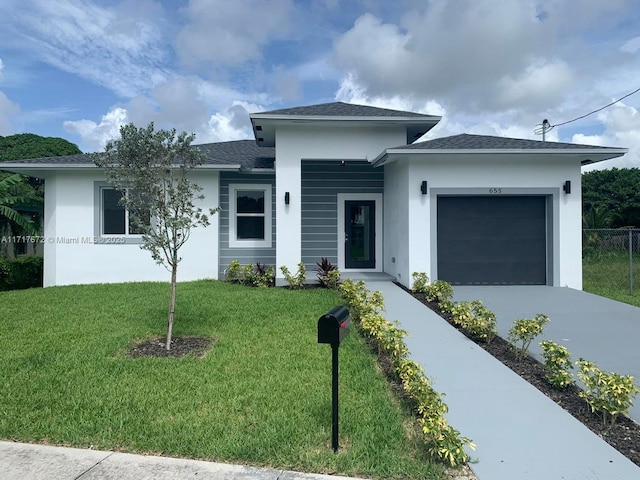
(78, 69)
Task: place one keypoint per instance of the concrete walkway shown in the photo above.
(592, 327)
(21, 461)
(519, 432)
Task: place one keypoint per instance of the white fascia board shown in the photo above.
(343, 118)
(598, 155)
(20, 167)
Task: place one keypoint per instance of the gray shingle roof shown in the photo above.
(244, 152)
(341, 109)
(467, 141)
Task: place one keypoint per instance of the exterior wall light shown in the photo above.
(423, 187)
(567, 187)
(286, 198)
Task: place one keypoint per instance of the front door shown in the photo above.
(360, 233)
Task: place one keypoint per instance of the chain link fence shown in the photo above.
(611, 257)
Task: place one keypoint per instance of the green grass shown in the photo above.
(607, 274)
(261, 396)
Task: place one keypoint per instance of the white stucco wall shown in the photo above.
(70, 256)
(477, 172)
(295, 143)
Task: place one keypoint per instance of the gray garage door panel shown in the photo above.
(494, 240)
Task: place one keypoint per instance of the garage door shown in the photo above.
(492, 240)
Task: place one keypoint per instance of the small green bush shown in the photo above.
(234, 272)
(475, 319)
(609, 393)
(420, 282)
(258, 275)
(439, 291)
(557, 363)
(523, 331)
(295, 281)
(21, 273)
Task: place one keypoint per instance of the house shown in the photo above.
(345, 182)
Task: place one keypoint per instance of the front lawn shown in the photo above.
(261, 396)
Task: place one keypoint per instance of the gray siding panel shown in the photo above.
(322, 181)
(244, 255)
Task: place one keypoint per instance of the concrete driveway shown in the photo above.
(595, 328)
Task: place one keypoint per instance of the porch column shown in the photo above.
(288, 217)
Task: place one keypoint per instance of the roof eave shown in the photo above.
(263, 124)
(52, 167)
(591, 155)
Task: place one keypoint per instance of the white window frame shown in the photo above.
(268, 224)
(110, 238)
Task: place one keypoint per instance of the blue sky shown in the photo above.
(80, 68)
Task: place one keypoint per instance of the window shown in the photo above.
(250, 215)
(114, 218)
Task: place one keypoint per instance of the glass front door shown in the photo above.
(360, 234)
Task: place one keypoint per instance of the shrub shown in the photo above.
(442, 441)
(295, 281)
(523, 331)
(327, 273)
(258, 275)
(557, 363)
(476, 320)
(420, 282)
(609, 393)
(439, 291)
(263, 275)
(21, 273)
(361, 302)
(234, 272)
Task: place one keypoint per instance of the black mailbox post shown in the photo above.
(333, 327)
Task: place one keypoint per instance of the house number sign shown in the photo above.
(495, 191)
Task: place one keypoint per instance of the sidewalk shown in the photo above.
(22, 461)
(519, 432)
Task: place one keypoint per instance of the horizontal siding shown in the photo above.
(244, 255)
(321, 183)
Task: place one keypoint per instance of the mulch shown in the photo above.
(624, 435)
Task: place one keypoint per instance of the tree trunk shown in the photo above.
(172, 304)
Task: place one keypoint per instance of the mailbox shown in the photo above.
(334, 325)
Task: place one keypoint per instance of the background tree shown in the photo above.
(151, 170)
(29, 145)
(611, 197)
(18, 191)
(14, 194)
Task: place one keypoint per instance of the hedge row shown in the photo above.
(21, 273)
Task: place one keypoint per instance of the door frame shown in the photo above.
(377, 199)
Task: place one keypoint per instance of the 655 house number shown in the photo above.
(495, 191)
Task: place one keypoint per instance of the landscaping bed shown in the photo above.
(624, 435)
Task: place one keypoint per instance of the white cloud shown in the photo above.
(96, 135)
(227, 32)
(454, 49)
(622, 129)
(541, 81)
(631, 46)
(1, 68)
(119, 48)
(231, 124)
(351, 92)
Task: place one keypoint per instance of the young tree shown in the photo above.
(151, 171)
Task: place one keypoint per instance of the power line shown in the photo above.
(547, 127)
